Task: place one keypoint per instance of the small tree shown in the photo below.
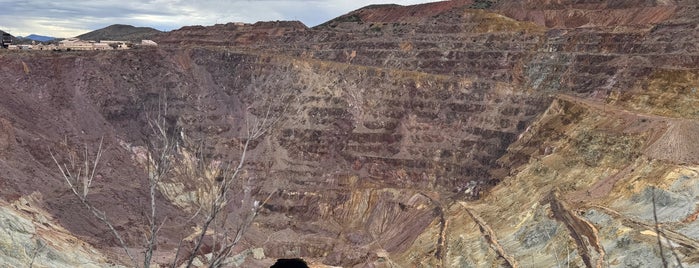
(79, 175)
(255, 128)
(162, 154)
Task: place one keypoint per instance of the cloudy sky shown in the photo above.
(60, 18)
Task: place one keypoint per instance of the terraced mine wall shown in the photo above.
(435, 135)
(346, 133)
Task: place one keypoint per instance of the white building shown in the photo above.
(77, 44)
(148, 43)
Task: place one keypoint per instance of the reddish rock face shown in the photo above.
(231, 34)
(389, 117)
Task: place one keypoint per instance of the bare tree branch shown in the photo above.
(83, 180)
(163, 155)
(161, 150)
(179, 244)
(657, 230)
(226, 250)
(660, 233)
(39, 247)
(255, 128)
(219, 202)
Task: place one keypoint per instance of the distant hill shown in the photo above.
(39, 38)
(19, 40)
(121, 32)
(5, 40)
(3, 33)
(392, 13)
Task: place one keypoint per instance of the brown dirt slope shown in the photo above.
(678, 144)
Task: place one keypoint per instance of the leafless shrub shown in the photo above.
(79, 175)
(163, 153)
(219, 191)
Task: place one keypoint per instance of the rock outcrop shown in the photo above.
(31, 238)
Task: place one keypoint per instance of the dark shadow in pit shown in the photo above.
(290, 263)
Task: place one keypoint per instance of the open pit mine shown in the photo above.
(450, 134)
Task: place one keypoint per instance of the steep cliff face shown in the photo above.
(585, 194)
(438, 135)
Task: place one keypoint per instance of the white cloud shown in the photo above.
(70, 18)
